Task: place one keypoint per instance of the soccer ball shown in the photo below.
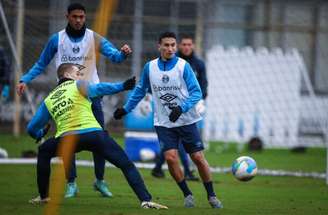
(3, 153)
(244, 168)
(147, 154)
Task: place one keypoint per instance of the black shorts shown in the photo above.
(187, 135)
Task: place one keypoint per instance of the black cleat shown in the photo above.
(191, 177)
(158, 173)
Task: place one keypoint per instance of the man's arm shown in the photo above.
(97, 90)
(38, 122)
(194, 90)
(203, 78)
(46, 56)
(109, 50)
(102, 89)
(140, 91)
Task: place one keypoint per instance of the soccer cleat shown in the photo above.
(189, 201)
(71, 190)
(158, 173)
(191, 177)
(101, 186)
(39, 201)
(153, 205)
(214, 202)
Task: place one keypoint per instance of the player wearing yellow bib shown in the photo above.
(69, 105)
(80, 45)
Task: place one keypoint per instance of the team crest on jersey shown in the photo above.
(168, 97)
(165, 79)
(76, 49)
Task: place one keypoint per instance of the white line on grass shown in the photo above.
(87, 163)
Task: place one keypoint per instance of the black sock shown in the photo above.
(184, 187)
(209, 188)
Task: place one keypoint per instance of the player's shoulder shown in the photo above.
(54, 37)
(199, 60)
(181, 60)
(182, 63)
(151, 62)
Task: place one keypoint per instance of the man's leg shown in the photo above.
(100, 185)
(157, 171)
(116, 155)
(169, 141)
(100, 143)
(71, 187)
(99, 161)
(46, 151)
(72, 173)
(171, 157)
(193, 145)
(185, 163)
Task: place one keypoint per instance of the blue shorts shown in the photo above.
(187, 135)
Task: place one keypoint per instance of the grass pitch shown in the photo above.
(262, 195)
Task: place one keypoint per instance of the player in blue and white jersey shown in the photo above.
(77, 44)
(175, 91)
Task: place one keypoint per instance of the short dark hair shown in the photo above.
(165, 35)
(75, 6)
(63, 68)
(185, 36)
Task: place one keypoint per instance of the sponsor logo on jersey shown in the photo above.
(57, 94)
(66, 58)
(165, 88)
(168, 97)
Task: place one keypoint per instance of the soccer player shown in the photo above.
(78, 44)
(69, 105)
(186, 52)
(175, 92)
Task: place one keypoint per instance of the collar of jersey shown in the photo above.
(168, 64)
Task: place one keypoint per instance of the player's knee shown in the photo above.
(198, 158)
(171, 157)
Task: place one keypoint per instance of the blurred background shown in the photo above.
(266, 61)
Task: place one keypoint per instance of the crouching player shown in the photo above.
(69, 105)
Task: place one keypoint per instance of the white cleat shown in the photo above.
(189, 201)
(214, 202)
(153, 205)
(39, 201)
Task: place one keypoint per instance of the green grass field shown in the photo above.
(262, 195)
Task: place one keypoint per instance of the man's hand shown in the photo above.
(175, 114)
(119, 113)
(44, 133)
(20, 88)
(130, 83)
(200, 107)
(126, 49)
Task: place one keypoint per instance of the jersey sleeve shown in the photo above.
(101, 89)
(139, 91)
(38, 122)
(193, 88)
(46, 56)
(107, 49)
